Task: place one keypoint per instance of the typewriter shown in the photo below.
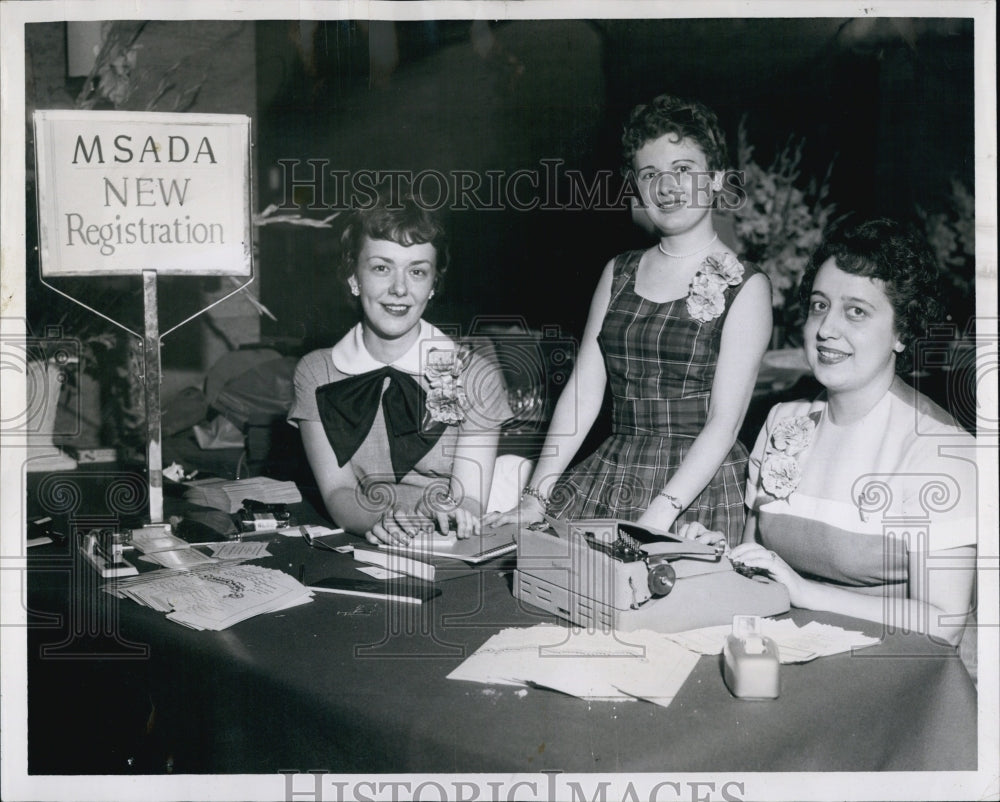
(610, 574)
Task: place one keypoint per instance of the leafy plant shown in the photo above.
(952, 235)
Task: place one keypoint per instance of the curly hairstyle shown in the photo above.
(685, 119)
(405, 222)
(899, 257)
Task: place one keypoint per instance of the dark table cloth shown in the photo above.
(348, 685)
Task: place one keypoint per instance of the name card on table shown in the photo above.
(124, 192)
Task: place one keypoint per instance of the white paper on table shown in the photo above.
(707, 640)
(218, 614)
(215, 597)
(163, 541)
(624, 665)
(178, 558)
(504, 658)
(822, 640)
(590, 665)
(239, 550)
(395, 562)
(234, 594)
(795, 644)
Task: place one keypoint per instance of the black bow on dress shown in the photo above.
(347, 409)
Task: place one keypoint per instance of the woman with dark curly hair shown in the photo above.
(856, 496)
(678, 331)
(400, 424)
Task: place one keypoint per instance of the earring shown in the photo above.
(899, 348)
(431, 295)
(354, 288)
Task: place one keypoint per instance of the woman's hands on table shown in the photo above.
(460, 522)
(530, 510)
(401, 523)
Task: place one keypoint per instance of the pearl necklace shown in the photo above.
(704, 247)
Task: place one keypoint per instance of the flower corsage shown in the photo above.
(706, 294)
(780, 473)
(446, 400)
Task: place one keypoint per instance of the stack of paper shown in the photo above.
(228, 495)
(588, 664)
(213, 597)
(795, 644)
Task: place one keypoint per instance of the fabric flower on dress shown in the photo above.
(706, 295)
(791, 435)
(780, 473)
(446, 400)
(725, 266)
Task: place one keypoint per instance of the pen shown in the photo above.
(302, 571)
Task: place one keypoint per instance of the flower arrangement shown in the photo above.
(952, 236)
(780, 224)
(706, 299)
(446, 401)
(780, 473)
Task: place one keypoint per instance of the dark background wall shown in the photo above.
(888, 102)
(885, 105)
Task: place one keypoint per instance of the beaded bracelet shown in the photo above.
(534, 492)
(674, 501)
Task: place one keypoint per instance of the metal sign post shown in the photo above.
(151, 382)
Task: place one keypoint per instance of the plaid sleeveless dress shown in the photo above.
(660, 364)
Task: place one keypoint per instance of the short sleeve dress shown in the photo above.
(372, 462)
(847, 504)
(660, 361)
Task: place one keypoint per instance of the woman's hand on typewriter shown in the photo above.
(692, 530)
(755, 556)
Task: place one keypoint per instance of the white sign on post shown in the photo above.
(144, 193)
(124, 192)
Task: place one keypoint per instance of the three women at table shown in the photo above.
(864, 501)
(854, 498)
(394, 451)
(678, 330)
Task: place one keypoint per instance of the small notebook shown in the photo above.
(489, 543)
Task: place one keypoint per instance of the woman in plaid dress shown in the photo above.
(679, 331)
